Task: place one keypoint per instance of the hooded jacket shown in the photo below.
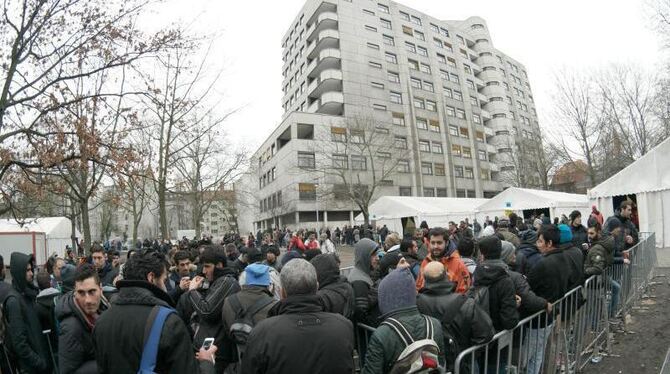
(575, 261)
(118, 350)
(300, 338)
(335, 293)
(502, 303)
(579, 235)
(76, 351)
(527, 254)
(458, 272)
(365, 294)
(599, 257)
(27, 344)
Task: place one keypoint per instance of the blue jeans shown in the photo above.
(537, 342)
(614, 301)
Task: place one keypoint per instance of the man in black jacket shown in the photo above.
(630, 233)
(180, 278)
(25, 340)
(300, 337)
(76, 313)
(335, 293)
(549, 279)
(202, 306)
(462, 319)
(119, 333)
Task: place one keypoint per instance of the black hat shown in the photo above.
(612, 224)
(390, 260)
(491, 247)
(254, 255)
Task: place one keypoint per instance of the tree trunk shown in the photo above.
(85, 224)
(162, 211)
(73, 227)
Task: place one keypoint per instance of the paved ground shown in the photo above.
(643, 347)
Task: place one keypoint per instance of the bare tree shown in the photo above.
(133, 184)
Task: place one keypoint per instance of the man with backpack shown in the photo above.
(299, 337)
(243, 310)
(464, 323)
(141, 330)
(391, 348)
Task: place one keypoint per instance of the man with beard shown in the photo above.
(458, 272)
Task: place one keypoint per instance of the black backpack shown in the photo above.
(481, 296)
(244, 320)
(452, 335)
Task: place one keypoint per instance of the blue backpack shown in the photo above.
(156, 320)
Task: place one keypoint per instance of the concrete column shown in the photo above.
(279, 222)
(297, 220)
(351, 218)
(325, 218)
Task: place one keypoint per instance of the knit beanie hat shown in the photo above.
(396, 291)
(566, 233)
(491, 247)
(389, 260)
(612, 224)
(507, 252)
(257, 275)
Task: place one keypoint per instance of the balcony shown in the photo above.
(479, 83)
(486, 115)
(325, 7)
(325, 21)
(326, 39)
(328, 81)
(331, 103)
(328, 59)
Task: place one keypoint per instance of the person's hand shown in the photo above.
(626, 261)
(196, 283)
(629, 239)
(518, 300)
(184, 283)
(207, 354)
(402, 264)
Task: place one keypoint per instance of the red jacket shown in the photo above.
(456, 269)
(296, 243)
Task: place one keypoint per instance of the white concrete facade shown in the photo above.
(440, 85)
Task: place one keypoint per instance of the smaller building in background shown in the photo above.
(571, 177)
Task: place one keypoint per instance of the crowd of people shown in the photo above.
(247, 306)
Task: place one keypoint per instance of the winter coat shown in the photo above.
(502, 303)
(385, 345)
(579, 235)
(510, 237)
(414, 263)
(549, 279)
(365, 292)
(335, 294)
(247, 297)
(119, 350)
(530, 302)
(327, 246)
(455, 267)
(470, 263)
(76, 352)
(527, 255)
(27, 344)
(599, 257)
(300, 338)
(575, 261)
(172, 285)
(296, 244)
(472, 324)
(204, 309)
(628, 229)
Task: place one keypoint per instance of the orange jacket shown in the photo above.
(456, 269)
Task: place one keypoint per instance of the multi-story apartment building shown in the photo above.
(456, 106)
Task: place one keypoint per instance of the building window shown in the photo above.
(484, 174)
(454, 78)
(425, 68)
(386, 23)
(404, 16)
(421, 123)
(437, 147)
(357, 136)
(306, 160)
(340, 162)
(393, 77)
(378, 107)
(358, 163)
(431, 105)
(338, 134)
(441, 192)
(444, 32)
(451, 62)
(422, 51)
(470, 84)
(467, 69)
(416, 20)
(370, 28)
(419, 103)
(481, 155)
(464, 132)
(414, 65)
(415, 82)
(408, 31)
(410, 47)
(476, 119)
(424, 146)
(469, 174)
(434, 125)
(460, 113)
(428, 192)
(450, 111)
(368, 12)
(479, 136)
(448, 93)
(377, 85)
(388, 40)
(434, 28)
(375, 65)
(466, 152)
(403, 166)
(439, 169)
(438, 43)
(373, 46)
(390, 57)
(400, 142)
(458, 172)
(419, 35)
(453, 130)
(458, 95)
(398, 119)
(455, 149)
(441, 59)
(383, 8)
(444, 75)
(426, 168)
(307, 191)
(396, 97)
(405, 191)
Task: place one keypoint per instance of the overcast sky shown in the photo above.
(543, 35)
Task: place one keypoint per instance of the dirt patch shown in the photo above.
(642, 348)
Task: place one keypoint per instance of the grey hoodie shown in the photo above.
(363, 250)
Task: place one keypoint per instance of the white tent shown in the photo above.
(520, 199)
(649, 179)
(436, 211)
(58, 231)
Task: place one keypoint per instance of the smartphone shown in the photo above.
(207, 343)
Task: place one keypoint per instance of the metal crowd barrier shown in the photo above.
(573, 333)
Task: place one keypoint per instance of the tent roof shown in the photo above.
(514, 198)
(388, 207)
(651, 172)
(49, 225)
